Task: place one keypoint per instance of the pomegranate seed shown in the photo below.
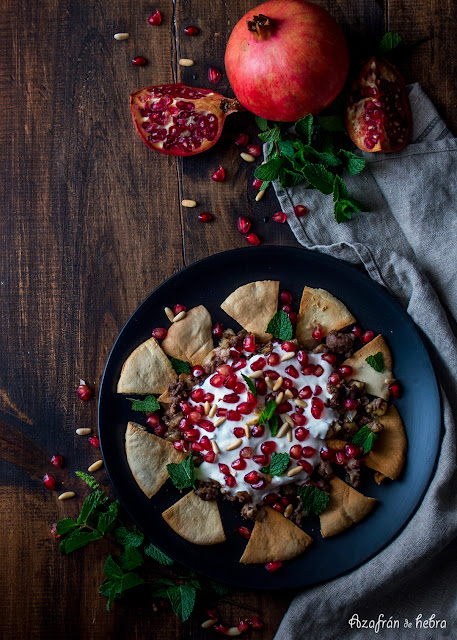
(217, 380)
(57, 461)
(94, 441)
(357, 331)
(329, 357)
(289, 346)
(239, 364)
(340, 457)
(317, 390)
(184, 424)
(334, 378)
(239, 387)
(305, 393)
(308, 370)
(234, 416)
(252, 476)
(244, 531)
(221, 413)
(274, 359)
(345, 370)
(318, 333)
(239, 464)
(212, 613)
(242, 625)
(243, 224)
(258, 431)
(54, 533)
(367, 337)
(246, 452)
(268, 447)
(261, 387)
(254, 622)
(230, 382)
(195, 416)
(206, 425)
(299, 420)
(295, 451)
(49, 482)
(197, 446)
(83, 391)
(186, 407)
(261, 459)
(178, 308)
(139, 61)
(245, 409)
(155, 19)
(249, 343)
(350, 404)
(317, 408)
(286, 308)
(286, 297)
(209, 457)
(283, 407)
(159, 333)
(218, 175)
(258, 364)
(395, 390)
(318, 371)
(197, 372)
(294, 392)
(205, 217)
(225, 369)
(308, 452)
(273, 375)
(180, 445)
(300, 210)
(253, 239)
(153, 420)
(293, 317)
(278, 506)
(231, 398)
(239, 432)
(256, 183)
(306, 466)
(220, 628)
(325, 454)
(223, 468)
(192, 435)
(351, 450)
(242, 140)
(214, 75)
(159, 431)
(191, 31)
(292, 372)
(279, 217)
(254, 150)
(273, 566)
(217, 329)
(270, 498)
(206, 443)
(261, 484)
(302, 358)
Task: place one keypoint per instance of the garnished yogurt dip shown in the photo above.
(234, 445)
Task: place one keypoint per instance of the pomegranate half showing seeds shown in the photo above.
(178, 120)
(378, 116)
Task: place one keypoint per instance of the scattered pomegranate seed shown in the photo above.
(340, 457)
(261, 387)
(357, 331)
(214, 75)
(49, 482)
(279, 217)
(305, 393)
(334, 378)
(94, 441)
(252, 476)
(318, 333)
(278, 506)
(243, 224)
(350, 404)
(308, 370)
(300, 210)
(244, 531)
(191, 31)
(219, 174)
(258, 364)
(367, 337)
(212, 613)
(256, 183)
(292, 317)
(289, 346)
(180, 445)
(317, 390)
(239, 463)
(139, 61)
(273, 566)
(246, 452)
(306, 466)
(159, 333)
(268, 447)
(351, 450)
(57, 461)
(253, 239)
(345, 370)
(155, 19)
(258, 431)
(308, 452)
(54, 533)
(395, 390)
(220, 628)
(205, 217)
(242, 626)
(254, 150)
(209, 457)
(302, 358)
(329, 357)
(178, 308)
(254, 622)
(286, 297)
(317, 408)
(230, 481)
(217, 329)
(261, 484)
(318, 371)
(295, 451)
(159, 431)
(223, 468)
(249, 343)
(198, 371)
(299, 419)
(83, 391)
(197, 446)
(242, 140)
(325, 454)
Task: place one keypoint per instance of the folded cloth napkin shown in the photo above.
(407, 243)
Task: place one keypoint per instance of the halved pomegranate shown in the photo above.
(378, 116)
(178, 120)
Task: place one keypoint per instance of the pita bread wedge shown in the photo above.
(273, 538)
(146, 370)
(389, 451)
(148, 456)
(318, 306)
(346, 507)
(190, 339)
(376, 383)
(196, 520)
(253, 305)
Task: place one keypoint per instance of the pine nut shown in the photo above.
(289, 435)
(288, 511)
(66, 495)
(255, 374)
(301, 403)
(269, 382)
(279, 398)
(215, 447)
(83, 432)
(121, 36)
(212, 412)
(283, 430)
(293, 472)
(233, 631)
(95, 466)
(209, 623)
(288, 356)
(186, 62)
(253, 421)
(169, 313)
(247, 430)
(189, 204)
(260, 195)
(289, 420)
(278, 384)
(180, 316)
(247, 157)
(234, 445)
(219, 421)
(268, 478)
(207, 407)
(288, 393)
(259, 409)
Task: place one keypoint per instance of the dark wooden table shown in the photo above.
(91, 223)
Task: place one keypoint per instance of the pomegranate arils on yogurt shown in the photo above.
(317, 408)
(249, 343)
(219, 174)
(156, 18)
(214, 75)
(243, 224)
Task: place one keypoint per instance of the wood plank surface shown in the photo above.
(91, 223)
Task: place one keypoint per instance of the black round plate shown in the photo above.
(209, 282)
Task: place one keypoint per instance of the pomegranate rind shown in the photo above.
(146, 370)
(190, 339)
(389, 451)
(376, 382)
(196, 520)
(319, 307)
(345, 507)
(253, 305)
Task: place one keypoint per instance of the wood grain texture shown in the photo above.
(91, 222)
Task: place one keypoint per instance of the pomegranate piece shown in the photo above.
(318, 371)
(283, 407)
(261, 484)
(345, 370)
(239, 432)
(258, 431)
(329, 357)
(207, 425)
(350, 404)
(231, 398)
(268, 447)
(395, 390)
(286, 297)
(326, 454)
(225, 369)
(279, 217)
(94, 441)
(239, 364)
(192, 435)
(223, 468)
(249, 343)
(261, 459)
(217, 329)
(239, 387)
(49, 482)
(155, 19)
(351, 450)
(242, 626)
(308, 452)
(300, 420)
(317, 390)
(367, 337)
(334, 378)
(197, 372)
(254, 622)
(242, 140)
(295, 451)
(253, 239)
(261, 387)
(178, 120)
(288, 346)
(244, 531)
(243, 224)
(273, 566)
(357, 331)
(306, 466)
(318, 333)
(254, 150)
(245, 409)
(378, 115)
(317, 408)
(218, 175)
(197, 446)
(159, 333)
(191, 31)
(83, 391)
(206, 443)
(256, 183)
(54, 533)
(214, 75)
(300, 210)
(252, 476)
(234, 416)
(217, 380)
(246, 452)
(293, 317)
(258, 364)
(278, 506)
(302, 358)
(178, 308)
(239, 464)
(274, 359)
(222, 629)
(340, 457)
(57, 461)
(160, 430)
(197, 395)
(139, 61)
(209, 457)
(180, 445)
(305, 393)
(273, 375)
(205, 217)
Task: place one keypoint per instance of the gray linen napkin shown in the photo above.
(408, 244)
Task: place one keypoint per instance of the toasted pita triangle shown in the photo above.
(190, 339)
(146, 370)
(196, 520)
(389, 451)
(253, 305)
(148, 456)
(318, 306)
(273, 538)
(346, 507)
(376, 383)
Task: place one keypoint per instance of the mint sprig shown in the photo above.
(365, 438)
(280, 326)
(182, 474)
(376, 361)
(278, 464)
(150, 403)
(313, 499)
(180, 366)
(251, 385)
(268, 412)
(390, 40)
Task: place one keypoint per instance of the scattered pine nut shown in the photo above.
(186, 62)
(247, 430)
(301, 403)
(288, 393)
(215, 447)
(83, 432)
(234, 445)
(209, 623)
(212, 412)
(169, 313)
(260, 195)
(252, 421)
(279, 398)
(233, 631)
(289, 435)
(180, 316)
(189, 203)
(268, 478)
(289, 420)
(278, 384)
(219, 421)
(247, 157)
(293, 472)
(121, 36)
(283, 430)
(269, 382)
(287, 356)
(255, 374)
(66, 495)
(288, 511)
(95, 466)
(207, 407)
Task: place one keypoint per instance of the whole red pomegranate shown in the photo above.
(285, 59)
(180, 120)
(378, 116)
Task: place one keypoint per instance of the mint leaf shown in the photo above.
(87, 479)
(159, 556)
(182, 599)
(160, 587)
(183, 474)
(332, 123)
(280, 326)
(278, 464)
(131, 559)
(130, 580)
(313, 499)
(93, 500)
(286, 148)
(389, 41)
(78, 539)
(289, 178)
(251, 385)
(319, 177)
(272, 135)
(268, 412)
(180, 366)
(344, 209)
(304, 128)
(261, 123)
(354, 164)
(65, 525)
(376, 361)
(365, 438)
(110, 589)
(339, 189)
(270, 170)
(150, 403)
(127, 538)
(111, 569)
(273, 424)
(107, 521)
(218, 588)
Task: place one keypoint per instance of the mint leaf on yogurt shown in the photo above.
(251, 385)
(280, 326)
(278, 464)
